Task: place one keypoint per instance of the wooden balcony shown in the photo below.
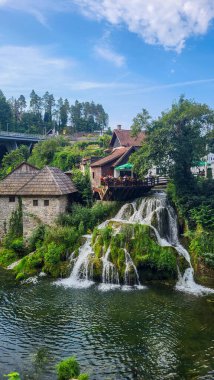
(122, 189)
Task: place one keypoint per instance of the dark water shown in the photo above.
(151, 334)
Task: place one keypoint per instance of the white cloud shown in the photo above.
(22, 68)
(108, 54)
(165, 22)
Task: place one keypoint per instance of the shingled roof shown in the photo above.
(14, 181)
(115, 155)
(125, 138)
(49, 181)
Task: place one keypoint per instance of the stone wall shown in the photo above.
(33, 215)
(6, 209)
(95, 176)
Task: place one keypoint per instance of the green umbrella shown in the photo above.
(124, 167)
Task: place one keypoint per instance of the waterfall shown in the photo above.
(166, 231)
(131, 276)
(154, 211)
(82, 272)
(110, 275)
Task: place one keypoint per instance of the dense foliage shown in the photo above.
(175, 142)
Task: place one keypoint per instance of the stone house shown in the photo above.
(44, 194)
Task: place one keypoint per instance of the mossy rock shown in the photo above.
(97, 268)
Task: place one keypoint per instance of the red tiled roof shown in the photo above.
(125, 138)
(126, 153)
(115, 155)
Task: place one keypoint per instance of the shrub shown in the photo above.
(37, 237)
(52, 256)
(18, 246)
(68, 369)
(83, 376)
(7, 257)
(13, 376)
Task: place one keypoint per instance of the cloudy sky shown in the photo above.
(125, 54)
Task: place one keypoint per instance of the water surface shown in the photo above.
(151, 334)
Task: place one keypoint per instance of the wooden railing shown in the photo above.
(132, 182)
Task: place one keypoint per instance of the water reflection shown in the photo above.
(156, 333)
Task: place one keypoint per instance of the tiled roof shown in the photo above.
(49, 181)
(28, 180)
(115, 155)
(14, 181)
(125, 154)
(125, 138)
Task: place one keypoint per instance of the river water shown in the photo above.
(150, 334)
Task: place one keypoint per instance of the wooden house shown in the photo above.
(112, 176)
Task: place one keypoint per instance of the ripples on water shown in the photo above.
(149, 334)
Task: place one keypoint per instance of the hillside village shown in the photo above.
(44, 194)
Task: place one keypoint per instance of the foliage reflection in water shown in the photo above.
(153, 334)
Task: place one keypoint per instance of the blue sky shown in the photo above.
(126, 55)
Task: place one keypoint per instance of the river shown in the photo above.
(151, 334)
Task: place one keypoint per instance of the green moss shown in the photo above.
(146, 253)
(97, 268)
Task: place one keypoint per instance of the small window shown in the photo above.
(12, 199)
(35, 202)
(46, 202)
(93, 175)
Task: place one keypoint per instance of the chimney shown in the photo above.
(119, 127)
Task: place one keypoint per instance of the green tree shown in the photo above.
(48, 104)
(5, 113)
(43, 153)
(35, 102)
(140, 122)
(83, 184)
(14, 158)
(176, 141)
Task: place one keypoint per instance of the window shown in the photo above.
(35, 202)
(12, 198)
(46, 202)
(93, 175)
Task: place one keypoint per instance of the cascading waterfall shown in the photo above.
(131, 270)
(82, 272)
(110, 275)
(154, 211)
(166, 231)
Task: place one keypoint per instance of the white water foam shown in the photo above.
(81, 273)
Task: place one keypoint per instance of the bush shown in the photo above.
(13, 376)
(37, 237)
(7, 256)
(52, 256)
(68, 369)
(88, 217)
(18, 246)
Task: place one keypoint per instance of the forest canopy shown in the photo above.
(43, 113)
